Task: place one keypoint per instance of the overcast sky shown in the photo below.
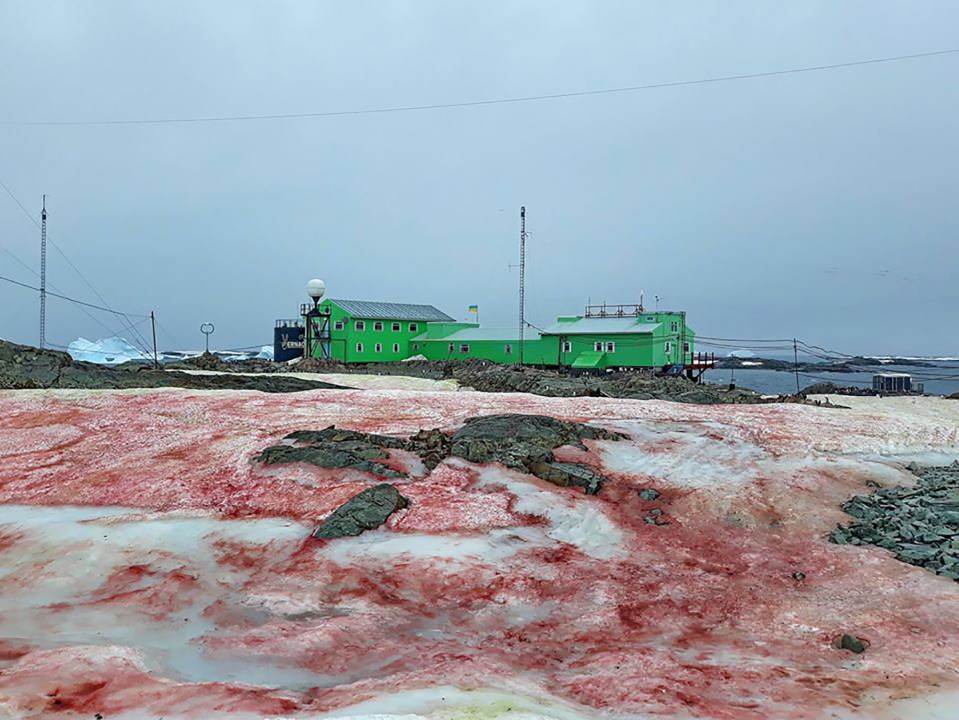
(820, 205)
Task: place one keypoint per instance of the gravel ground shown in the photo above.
(920, 524)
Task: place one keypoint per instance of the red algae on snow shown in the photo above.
(148, 565)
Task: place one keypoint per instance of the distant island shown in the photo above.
(845, 365)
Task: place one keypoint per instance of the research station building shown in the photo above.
(603, 337)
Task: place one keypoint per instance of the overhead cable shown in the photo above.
(477, 103)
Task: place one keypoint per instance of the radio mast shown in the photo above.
(522, 280)
(43, 274)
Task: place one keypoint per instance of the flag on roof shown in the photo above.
(474, 308)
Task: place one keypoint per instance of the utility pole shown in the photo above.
(153, 322)
(43, 274)
(796, 363)
(522, 280)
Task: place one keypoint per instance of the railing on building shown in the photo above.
(605, 310)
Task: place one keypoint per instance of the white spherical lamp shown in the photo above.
(316, 289)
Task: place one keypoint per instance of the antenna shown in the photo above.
(43, 274)
(522, 280)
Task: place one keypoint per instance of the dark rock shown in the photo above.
(25, 367)
(433, 446)
(648, 494)
(852, 643)
(365, 511)
(520, 442)
(331, 455)
(572, 475)
(799, 575)
(539, 430)
(333, 434)
(526, 442)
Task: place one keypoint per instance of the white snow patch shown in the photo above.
(383, 545)
(66, 553)
(576, 520)
(683, 455)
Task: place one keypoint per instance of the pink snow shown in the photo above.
(148, 567)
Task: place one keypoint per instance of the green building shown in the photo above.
(614, 336)
(362, 331)
(458, 341)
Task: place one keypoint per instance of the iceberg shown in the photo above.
(105, 351)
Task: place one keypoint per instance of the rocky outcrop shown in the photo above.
(520, 442)
(333, 434)
(920, 525)
(526, 442)
(24, 367)
(365, 511)
(355, 455)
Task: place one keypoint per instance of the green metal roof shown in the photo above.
(478, 334)
(601, 326)
(368, 310)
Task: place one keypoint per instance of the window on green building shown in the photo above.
(508, 349)
(452, 348)
(359, 347)
(395, 327)
(567, 346)
(669, 346)
(338, 325)
(464, 349)
(378, 326)
(414, 327)
(378, 347)
(685, 347)
(598, 346)
(610, 347)
(674, 326)
(396, 347)
(360, 325)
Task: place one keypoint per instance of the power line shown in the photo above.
(128, 324)
(478, 103)
(58, 248)
(777, 340)
(172, 339)
(70, 299)
(18, 260)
